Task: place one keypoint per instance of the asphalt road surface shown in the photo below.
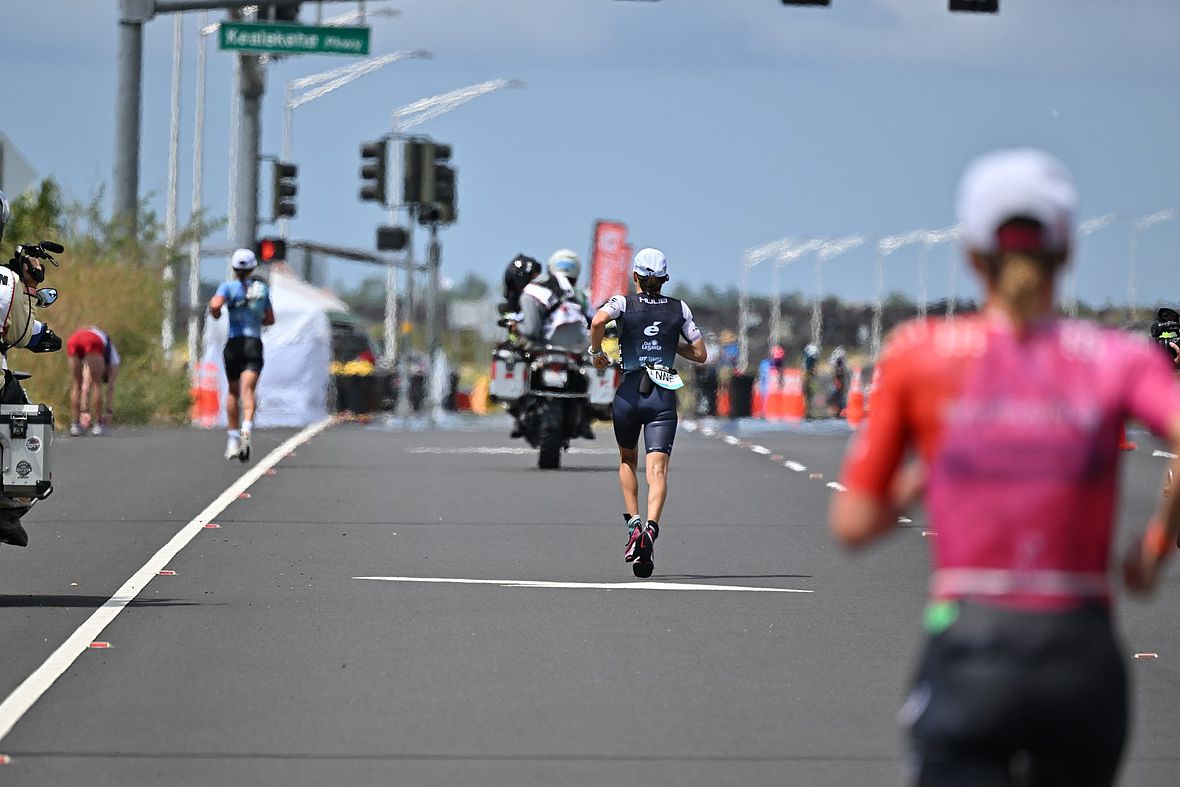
(425, 607)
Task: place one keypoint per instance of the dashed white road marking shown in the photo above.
(793, 465)
(33, 687)
(731, 440)
(1164, 454)
(530, 583)
(837, 486)
(760, 449)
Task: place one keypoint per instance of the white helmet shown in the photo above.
(565, 262)
(243, 260)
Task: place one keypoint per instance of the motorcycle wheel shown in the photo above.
(551, 422)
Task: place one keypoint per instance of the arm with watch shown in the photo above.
(597, 334)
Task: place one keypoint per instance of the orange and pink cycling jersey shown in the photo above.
(1019, 436)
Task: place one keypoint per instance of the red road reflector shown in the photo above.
(100, 645)
(212, 525)
(816, 476)
(244, 496)
(5, 759)
(270, 472)
(165, 573)
(777, 457)
(1147, 655)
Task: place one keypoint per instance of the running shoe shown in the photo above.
(233, 447)
(634, 533)
(75, 429)
(97, 430)
(244, 451)
(644, 543)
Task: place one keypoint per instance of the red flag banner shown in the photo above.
(610, 262)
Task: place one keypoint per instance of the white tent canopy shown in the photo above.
(293, 387)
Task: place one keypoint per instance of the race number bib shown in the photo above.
(665, 378)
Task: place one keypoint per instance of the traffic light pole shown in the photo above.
(249, 86)
(433, 260)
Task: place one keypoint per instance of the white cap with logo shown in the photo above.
(650, 262)
(1015, 183)
(243, 260)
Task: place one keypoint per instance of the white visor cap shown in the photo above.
(243, 260)
(651, 262)
(1016, 183)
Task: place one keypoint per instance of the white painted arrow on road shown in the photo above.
(530, 583)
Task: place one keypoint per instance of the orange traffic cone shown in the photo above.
(1124, 443)
(794, 407)
(723, 402)
(756, 403)
(856, 400)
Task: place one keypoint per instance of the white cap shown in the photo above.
(1016, 183)
(243, 260)
(650, 262)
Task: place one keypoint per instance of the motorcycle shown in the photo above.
(26, 429)
(548, 391)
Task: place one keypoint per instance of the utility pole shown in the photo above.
(433, 260)
(133, 14)
(128, 104)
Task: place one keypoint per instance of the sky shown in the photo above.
(708, 126)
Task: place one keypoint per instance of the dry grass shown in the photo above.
(125, 300)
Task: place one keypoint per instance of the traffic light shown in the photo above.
(281, 13)
(392, 238)
(437, 195)
(444, 193)
(412, 171)
(283, 189)
(271, 250)
(976, 6)
(374, 158)
(434, 154)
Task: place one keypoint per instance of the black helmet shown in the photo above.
(519, 273)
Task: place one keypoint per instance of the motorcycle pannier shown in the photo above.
(510, 376)
(603, 383)
(26, 437)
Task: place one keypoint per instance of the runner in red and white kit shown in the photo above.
(1015, 416)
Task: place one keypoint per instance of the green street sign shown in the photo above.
(284, 39)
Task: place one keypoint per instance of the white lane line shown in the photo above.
(837, 486)
(759, 449)
(793, 465)
(530, 583)
(1164, 454)
(731, 440)
(30, 690)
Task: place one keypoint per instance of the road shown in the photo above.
(425, 607)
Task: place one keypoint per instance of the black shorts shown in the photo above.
(654, 413)
(1001, 692)
(242, 354)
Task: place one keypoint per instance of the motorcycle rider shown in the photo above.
(555, 312)
(19, 278)
(519, 273)
(653, 330)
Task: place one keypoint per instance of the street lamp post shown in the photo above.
(404, 118)
(323, 83)
(885, 247)
(1139, 225)
(827, 251)
(752, 258)
(931, 239)
(776, 304)
(1070, 288)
